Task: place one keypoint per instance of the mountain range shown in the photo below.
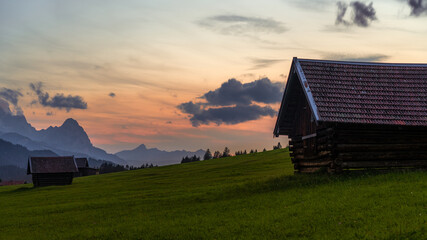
(67, 139)
(142, 155)
(19, 139)
(17, 155)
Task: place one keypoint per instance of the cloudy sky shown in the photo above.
(185, 74)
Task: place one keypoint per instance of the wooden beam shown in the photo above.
(381, 147)
(385, 164)
(373, 156)
(309, 136)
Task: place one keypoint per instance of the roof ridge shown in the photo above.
(362, 63)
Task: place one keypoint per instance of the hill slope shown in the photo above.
(254, 196)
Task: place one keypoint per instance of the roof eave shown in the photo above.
(296, 66)
(307, 90)
(364, 63)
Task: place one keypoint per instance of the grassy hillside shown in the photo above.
(253, 196)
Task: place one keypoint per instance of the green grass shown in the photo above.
(253, 196)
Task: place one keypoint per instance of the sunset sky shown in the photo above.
(133, 72)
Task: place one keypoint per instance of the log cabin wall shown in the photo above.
(343, 147)
(303, 143)
(358, 146)
(87, 171)
(48, 179)
(312, 153)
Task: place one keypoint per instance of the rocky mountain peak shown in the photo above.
(141, 147)
(70, 123)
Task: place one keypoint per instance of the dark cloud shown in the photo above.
(342, 9)
(238, 25)
(263, 63)
(234, 92)
(59, 100)
(190, 107)
(226, 115)
(417, 7)
(4, 105)
(361, 14)
(49, 114)
(12, 96)
(356, 58)
(233, 102)
(111, 94)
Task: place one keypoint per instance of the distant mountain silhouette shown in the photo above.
(30, 144)
(17, 155)
(8, 173)
(69, 134)
(71, 139)
(142, 155)
(13, 160)
(15, 123)
(68, 139)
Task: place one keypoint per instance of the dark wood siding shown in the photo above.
(49, 179)
(351, 146)
(86, 171)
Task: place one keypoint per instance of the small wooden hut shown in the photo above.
(344, 115)
(84, 169)
(48, 171)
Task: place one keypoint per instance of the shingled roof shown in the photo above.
(51, 165)
(357, 92)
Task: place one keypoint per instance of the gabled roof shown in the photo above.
(357, 92)
(82, 162)
(51, 165)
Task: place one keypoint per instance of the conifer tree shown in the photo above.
(217, 154)
(208, 155)
(226, 152)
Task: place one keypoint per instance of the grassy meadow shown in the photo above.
(255, 196)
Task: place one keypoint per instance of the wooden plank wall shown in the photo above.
(49, 179)
(379, 148)
(335, 149)
(312, 154)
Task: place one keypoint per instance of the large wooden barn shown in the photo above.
(48, 171)
(344, 115)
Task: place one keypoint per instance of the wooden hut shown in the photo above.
(344, 115)
(48, 171)
(84, 169)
